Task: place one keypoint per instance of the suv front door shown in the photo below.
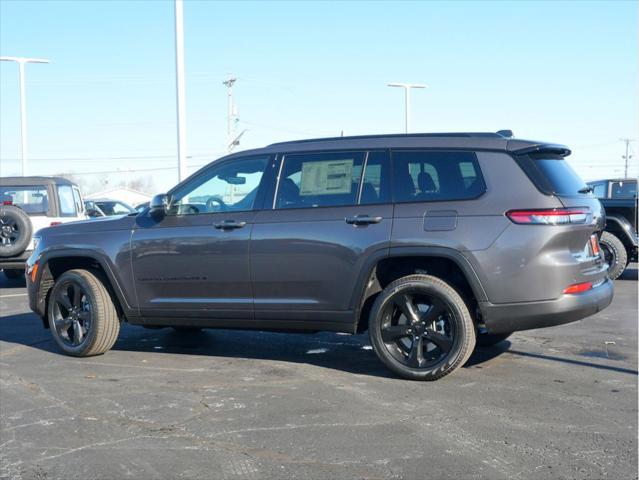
(319, 235)
(193, 261)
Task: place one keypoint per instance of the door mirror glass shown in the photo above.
(159, 205)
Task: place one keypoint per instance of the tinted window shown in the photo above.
(230, 187)
(114, 208)
(32, 199)
(78, 200)
(560, 175)
(319, 179)
(376, 184)
(67, 202)
(422, 176)
(623, 189)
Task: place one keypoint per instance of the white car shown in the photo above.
(27, 205)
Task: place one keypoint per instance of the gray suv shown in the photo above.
(431, 242)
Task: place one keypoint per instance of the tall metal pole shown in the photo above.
(406, 87)
(230, 114)
(23, 105)
(180, 96)
(626, 157)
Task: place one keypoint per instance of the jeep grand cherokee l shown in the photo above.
(431, 242)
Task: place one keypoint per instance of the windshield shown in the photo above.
(623, 189)
(33, 199)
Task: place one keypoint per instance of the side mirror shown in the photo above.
(159, 205)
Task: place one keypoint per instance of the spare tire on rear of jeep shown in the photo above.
(15, 231)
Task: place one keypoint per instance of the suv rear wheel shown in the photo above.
(15, 231)
(82, 316)
(421, 328)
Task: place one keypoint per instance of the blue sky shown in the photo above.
(558, 71)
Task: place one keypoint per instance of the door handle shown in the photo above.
(229, 225)
(362, 220)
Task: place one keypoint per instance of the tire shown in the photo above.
(94, 302)
(13, 273)
(15, 231)
(490, 339)
(615, 254)
(447, 346)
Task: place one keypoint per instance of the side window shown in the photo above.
(423, 176)
(323, 179)
(599, 190)
(78, 200)
(67, 202)
(376, 184)
(231, 187)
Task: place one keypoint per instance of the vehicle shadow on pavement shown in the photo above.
(629, 274)
(349, 353)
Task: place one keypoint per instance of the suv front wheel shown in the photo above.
(82, 316)
(421, 328)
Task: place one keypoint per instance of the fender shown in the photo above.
(416, 251)
(622, 225)
(101, 260)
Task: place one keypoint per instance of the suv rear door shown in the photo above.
(324, 226)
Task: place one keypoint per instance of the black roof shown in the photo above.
(455, 140)
(26, 181)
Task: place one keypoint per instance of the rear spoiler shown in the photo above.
(552, 148)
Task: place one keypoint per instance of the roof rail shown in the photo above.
(500, 134)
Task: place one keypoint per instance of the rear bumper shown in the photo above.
(17, 262)
(512, 317)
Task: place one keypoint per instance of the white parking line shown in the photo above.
(14, 295)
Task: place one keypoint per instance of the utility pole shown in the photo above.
(627, 156)
(21, 61)
(180, 95)
(231, 117)
(407, 87)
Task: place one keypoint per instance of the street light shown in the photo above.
(23, 106)
(407, 87)
(179, 83)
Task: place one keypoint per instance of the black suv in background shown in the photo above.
(619, 241)
(432, 242)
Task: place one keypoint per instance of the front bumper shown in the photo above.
(512, 317)
(18, 262)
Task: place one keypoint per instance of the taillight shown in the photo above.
(7, 202)
(578, 287)
(53, 224)
(552, 216)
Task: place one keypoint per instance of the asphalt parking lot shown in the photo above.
(547, 404)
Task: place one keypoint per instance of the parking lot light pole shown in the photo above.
(21, 61)
(180, 96)
(407, 87)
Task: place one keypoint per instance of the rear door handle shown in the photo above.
(362, 220)
(229, 225)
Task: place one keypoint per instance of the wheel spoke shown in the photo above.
(62, 324)
(78, 335)
(394, 332)
(85, 315)
(415, 355)
(405, 304)
(77, 296)
(442, 341)
(434, 312)
(63, 300)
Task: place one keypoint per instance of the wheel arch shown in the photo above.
(54, 264)
(445, 263)
(621, 228)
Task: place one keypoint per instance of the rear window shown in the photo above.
(33, 199)
(427, 176)
(623, 189)
(552, 174)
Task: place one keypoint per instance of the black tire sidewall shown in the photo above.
(90, 292)
(26, 230)
(463, 326)
(618, 251)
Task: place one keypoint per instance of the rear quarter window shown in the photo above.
(430, 175)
